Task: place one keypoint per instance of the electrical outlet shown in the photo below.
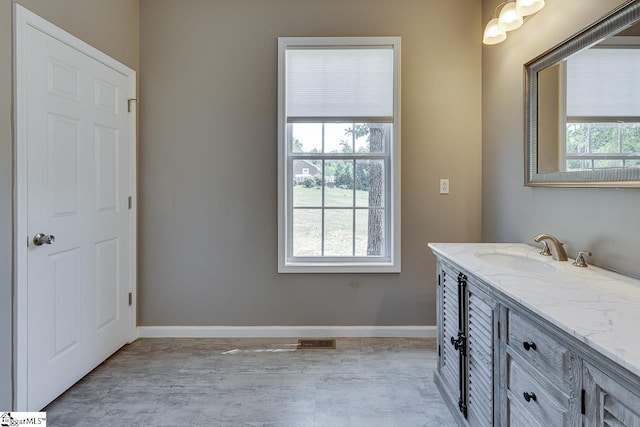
(444, 186)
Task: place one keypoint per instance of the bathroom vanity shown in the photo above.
(524, 340)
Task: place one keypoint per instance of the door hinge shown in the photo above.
(583, 404)
(130, 298)
(439, 278)
(498, 330)
(439, 351)
(130, 202)
(129, 101)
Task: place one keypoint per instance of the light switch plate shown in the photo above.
(444, 186)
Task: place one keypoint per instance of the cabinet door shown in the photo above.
(608, 403)
(480, 361)
(450, 358)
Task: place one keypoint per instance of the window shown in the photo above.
(603, 107)
(596, 145)
(339, 154)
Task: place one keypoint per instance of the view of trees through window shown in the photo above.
(339, 188)
(591, 146)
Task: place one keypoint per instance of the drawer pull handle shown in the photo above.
(459, 344)
(529, 345)
(529, 396)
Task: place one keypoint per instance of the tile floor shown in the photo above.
(258, 382)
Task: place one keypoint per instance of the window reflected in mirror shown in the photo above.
(589, 108)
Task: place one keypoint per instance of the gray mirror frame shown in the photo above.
(620, 18)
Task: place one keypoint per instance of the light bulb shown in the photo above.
(493, 34)
(509, 19)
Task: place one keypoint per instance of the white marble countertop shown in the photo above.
(598, 307)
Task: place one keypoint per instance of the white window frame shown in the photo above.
(289, 264)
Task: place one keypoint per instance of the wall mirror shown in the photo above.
(582, 107)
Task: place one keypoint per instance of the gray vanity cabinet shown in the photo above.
(500, 364)
(607, 402)
(465, 345)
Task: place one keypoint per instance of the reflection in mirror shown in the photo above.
(589, 108)
(550, 118)
(583, 107)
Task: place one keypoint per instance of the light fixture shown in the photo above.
(493, 34)
(528, 7)
(510, 18)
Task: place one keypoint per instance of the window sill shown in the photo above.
(339, 267)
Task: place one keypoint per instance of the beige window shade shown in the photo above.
(338, 83)
(604, 83)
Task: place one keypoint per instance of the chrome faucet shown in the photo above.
(557, 251)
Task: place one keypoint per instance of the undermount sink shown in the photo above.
(516, 262)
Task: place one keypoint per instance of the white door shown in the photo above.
(78, 178)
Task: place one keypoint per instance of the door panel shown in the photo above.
(106, 140)
(106, 96)
(480, 361)
(106, 275)
(450, 356)
(63, 134)
(63, 80)
(607, 402)
(64, 295)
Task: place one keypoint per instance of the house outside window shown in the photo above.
(339, 154)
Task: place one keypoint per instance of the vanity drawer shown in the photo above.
(524, 391)
(518, 416)
(538, 349)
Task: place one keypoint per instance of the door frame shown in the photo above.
(24, 18)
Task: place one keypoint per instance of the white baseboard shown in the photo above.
(286, 331)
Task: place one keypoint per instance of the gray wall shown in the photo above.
(111, 26)
(604, 221)
(208, 225)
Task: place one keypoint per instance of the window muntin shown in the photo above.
(345, 218)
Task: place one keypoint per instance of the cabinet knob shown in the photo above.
(455, 342)
(529, 396)
(460, 343)
(529, 345)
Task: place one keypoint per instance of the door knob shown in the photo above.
(43, 239)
